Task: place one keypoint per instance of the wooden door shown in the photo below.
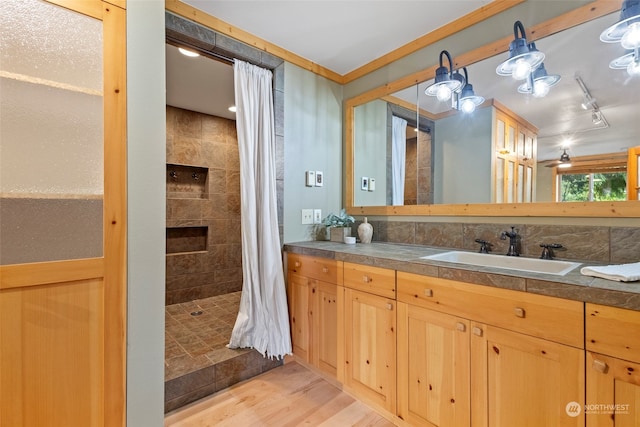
(324, 326)
(370, 348)
(62, 301)
(298, 293)
(633, 174)
(527, 381)
(613, 392)
(433, 368)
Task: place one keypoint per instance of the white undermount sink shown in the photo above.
(534, 265)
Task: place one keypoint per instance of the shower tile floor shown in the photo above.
(197, 332)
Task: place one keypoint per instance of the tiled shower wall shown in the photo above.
(208, 201)
(600, 244)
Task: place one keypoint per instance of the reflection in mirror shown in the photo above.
(509, 149)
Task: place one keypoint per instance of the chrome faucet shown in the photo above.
(513, 241)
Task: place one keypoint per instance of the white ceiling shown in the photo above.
(338, 35)
(361, 32)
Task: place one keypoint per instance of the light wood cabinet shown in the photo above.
(370, 348)
(433, 367)
(313, 309)
(520, 380)
(515, 147)
(519, 354)
(324, 324)
(613, 367)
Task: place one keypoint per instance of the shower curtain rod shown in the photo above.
(214, 55)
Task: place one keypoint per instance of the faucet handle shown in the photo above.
(484, 246)
(547, 252)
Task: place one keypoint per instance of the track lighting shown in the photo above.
(627, 32)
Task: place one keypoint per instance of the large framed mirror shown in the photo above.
(409, 154)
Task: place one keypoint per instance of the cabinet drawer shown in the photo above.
(613, 331)
(375, 280)
(546, 317)
(325, 269)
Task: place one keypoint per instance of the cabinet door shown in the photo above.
(613, 392)
(324, 326)
(433, 367)
(298, 296)
(370, 348)
(528, 381)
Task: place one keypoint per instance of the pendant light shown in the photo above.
(523, 57)
(627, 32)
(445, 83)
(565, 160)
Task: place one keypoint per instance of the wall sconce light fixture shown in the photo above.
(523, 59)
(445, 83)
(452, 85)
(539, 82)
(467, 100)
(627, 32)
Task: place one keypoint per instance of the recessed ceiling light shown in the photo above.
(188, 53)
(232, 108)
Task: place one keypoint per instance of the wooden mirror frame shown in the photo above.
(570, 19)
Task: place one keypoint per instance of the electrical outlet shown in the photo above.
(317, 214)
(307, 216)
(372, 184)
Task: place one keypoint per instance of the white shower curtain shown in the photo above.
(262, 321)
(398, 156)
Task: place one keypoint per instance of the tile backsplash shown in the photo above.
(600, 244)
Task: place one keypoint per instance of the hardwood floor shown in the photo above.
(290, 395)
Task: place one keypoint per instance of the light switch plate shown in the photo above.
(319, 179)
(372, 184)
(310, 178)
(364, 183)
(307, 216)
(317, 216)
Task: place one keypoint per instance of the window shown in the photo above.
(594, 186)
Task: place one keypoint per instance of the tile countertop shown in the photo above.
(401, 257)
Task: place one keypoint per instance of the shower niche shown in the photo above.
(186, 239)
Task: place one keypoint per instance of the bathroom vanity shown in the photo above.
(436, 343)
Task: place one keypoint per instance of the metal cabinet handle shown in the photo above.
(428, 292)
(367, 279)
(389, 306)
(461, 326)
(600, 366)
(476, 331)
(325, 270)
(519, 312)
(297, 264)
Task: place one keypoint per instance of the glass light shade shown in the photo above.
(469, 100)
(523, 58)
(444, 86)
(627, 62)
(539, 83)
(633, 68)
(631, 38)
(187, 52)
(564, 165)
(630, 14)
